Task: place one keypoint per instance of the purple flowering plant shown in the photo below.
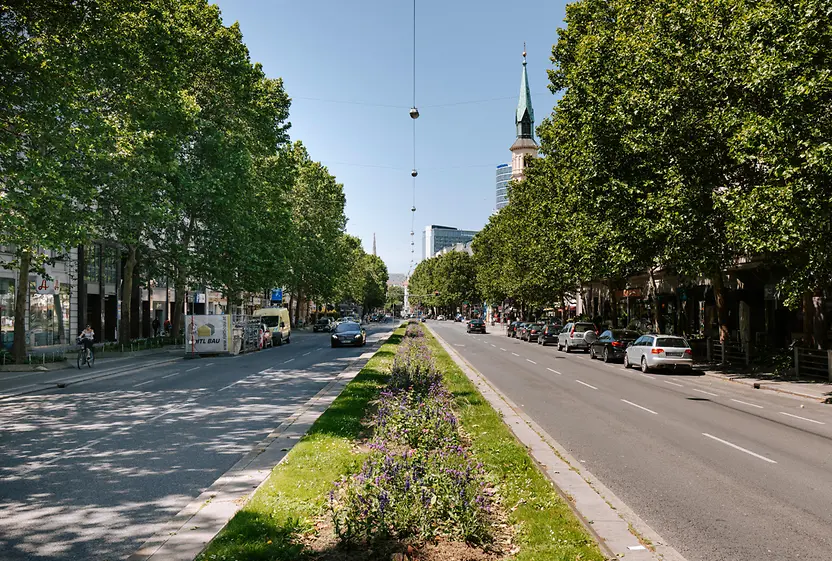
(414, 420)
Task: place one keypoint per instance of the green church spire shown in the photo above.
(525, 114)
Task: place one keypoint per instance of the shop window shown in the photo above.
(49, 317)
(6, 312)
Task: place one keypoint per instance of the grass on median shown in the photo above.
(285, 507)
(546, 527)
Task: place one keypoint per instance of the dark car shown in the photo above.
(511, 329)
(476, 325)
(521, 329)
(349, 333)
(549, 333)
(612, 344)
(531, 332)
(323, 324)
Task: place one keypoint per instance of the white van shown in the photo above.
(277, 322)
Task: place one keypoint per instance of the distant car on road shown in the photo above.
(531, 331)
(348, 334)
(574, 336)
(323, 324)
(476, 325)
(440, 318)
(659, 351)
(511, 329)
(549, 334)
(612, 344)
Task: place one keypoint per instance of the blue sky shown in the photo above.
(467, 51)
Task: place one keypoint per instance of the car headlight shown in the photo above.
(358, 336)
(334, 336)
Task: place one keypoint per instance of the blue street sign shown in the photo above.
(277, 295)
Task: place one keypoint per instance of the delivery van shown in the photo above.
(277, 322)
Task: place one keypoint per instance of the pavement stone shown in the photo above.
(818, 391)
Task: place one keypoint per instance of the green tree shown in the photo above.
(375, 282)
(395, 298)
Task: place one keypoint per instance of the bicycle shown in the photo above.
(83, 357)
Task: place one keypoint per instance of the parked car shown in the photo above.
(549, 333)
(349, 333)
(476, 325)
(521, 329)
(574, 336)
(323, 324)
(511, 329)
(659, 351)
(531, 331)
(276, 320)
(458, 318)
(612, 344)
(440, 317)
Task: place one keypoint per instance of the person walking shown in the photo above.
(167, 326)
(155, 326)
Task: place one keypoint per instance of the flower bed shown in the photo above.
(420, 481)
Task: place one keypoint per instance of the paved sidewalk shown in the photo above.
(818, 391)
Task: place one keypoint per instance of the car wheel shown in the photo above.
(626, 360)
(644, 367)
(606, 355)
(567, 347)
(333, 345)
(592, 354)
(558, 345)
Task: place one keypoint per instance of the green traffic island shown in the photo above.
(410, 462)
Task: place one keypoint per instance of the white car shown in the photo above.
(576, 336)
(440, 318)
(659, 351)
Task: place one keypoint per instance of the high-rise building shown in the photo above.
(503, 177)
(437, 237)
(525, 144)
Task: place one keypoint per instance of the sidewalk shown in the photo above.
(818, 391)
(13, 384)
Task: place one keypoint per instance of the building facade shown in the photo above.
(524, 145)
(437, 237)
(503, 177)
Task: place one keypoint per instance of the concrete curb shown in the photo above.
(764, 386)
(603, 514)
(192, 529)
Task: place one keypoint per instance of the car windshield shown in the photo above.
(270, 321)
(537, 326)
(477, 321)
(624, 334)
(347, 327)
(677, 342)
(581, 327)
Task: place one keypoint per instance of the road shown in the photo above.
(721, 471)
(93, 470)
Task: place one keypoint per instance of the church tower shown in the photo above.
(524, 120)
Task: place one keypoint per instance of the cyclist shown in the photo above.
(86, 338)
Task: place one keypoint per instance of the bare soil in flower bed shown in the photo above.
(325, 546)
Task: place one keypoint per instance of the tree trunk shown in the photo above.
(808, 319)
(297, 308)
(124, 335)
(819, 319)
(179, 299)
(614, 305)
(20, 299)
(656, 310)
(721, 307)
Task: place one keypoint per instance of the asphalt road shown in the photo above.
(721, 471)
(93, 470)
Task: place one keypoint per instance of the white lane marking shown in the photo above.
(708, 393)
(502, 349)
(307, 354)
(288, 361)
(172, 374)
(515, 354)
(746, 403)
(672, 383)
(319, 349)
(229, 385)
(803, 418)
(740, 448)
(647, 376)
(493, 345)
(210, 364)
(192, 369)
(555, 371)
(530, 360)
(587, 385)
(142, 384)
(639, 406)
